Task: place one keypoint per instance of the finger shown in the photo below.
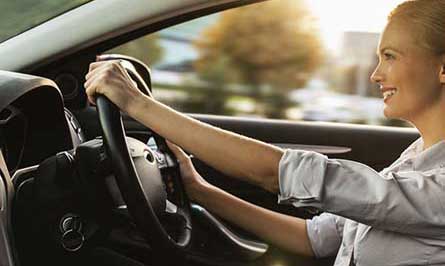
(91, 76)
(88, 81)
(113, 67)
(102, 57)
(177, 151)
(102, 71)
(99, 67)
(91, 95)
(90, 89)
(92, 100)
(123, 71)
(94, 65)
(94, 88)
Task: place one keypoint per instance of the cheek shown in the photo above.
(422, 75)
(409, 78)
(389, 69)
(419, 91)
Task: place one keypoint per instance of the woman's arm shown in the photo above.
(406, 198)
(282, 230)
(232, 154)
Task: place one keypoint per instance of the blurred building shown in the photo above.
(358, 57)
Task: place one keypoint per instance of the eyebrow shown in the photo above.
(388, 48)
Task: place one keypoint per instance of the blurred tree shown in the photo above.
(271, 48)
(147, 49)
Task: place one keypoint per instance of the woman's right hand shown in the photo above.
(191, 179)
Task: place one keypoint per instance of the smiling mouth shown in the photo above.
(388, 93)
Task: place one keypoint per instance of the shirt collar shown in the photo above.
(431, 158)
(414, 149)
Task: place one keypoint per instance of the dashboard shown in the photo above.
(33, 121)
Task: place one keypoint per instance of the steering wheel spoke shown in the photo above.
(170, 207)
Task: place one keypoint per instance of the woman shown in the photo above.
(395, 217)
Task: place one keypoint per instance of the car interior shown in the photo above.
(89, 185)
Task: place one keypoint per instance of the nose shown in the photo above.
(377, 75)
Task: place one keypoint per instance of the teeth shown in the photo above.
(387, 94)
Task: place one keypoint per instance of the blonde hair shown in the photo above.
(427, 18)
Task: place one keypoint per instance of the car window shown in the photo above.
(18, 16)
(285, 59)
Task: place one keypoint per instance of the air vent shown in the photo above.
(68, 85)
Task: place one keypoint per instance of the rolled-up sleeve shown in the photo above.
(301, 177)
(325, 234)
(408, 202)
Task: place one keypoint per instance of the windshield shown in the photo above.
(19, 16)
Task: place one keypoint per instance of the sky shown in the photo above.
(349, 15)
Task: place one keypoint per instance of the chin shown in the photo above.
(387, 112)
(390, 113)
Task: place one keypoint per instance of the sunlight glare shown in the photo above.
(336, 17)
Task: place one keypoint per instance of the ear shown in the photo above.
(442, 74)
(442, 71)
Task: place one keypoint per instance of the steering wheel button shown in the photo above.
(66, 224)
(72, 240)
(160, 159)
(70, 222)
(149, 156)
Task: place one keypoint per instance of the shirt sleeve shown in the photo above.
(408, 202)
(325, 234)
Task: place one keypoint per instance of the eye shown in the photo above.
(388, 56)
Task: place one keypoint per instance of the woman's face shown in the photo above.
(408, 75)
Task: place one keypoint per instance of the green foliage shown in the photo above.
(20, 15)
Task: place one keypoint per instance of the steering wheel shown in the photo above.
(139, 171)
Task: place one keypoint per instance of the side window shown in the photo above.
(265, 60)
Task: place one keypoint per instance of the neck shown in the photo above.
(431, 125)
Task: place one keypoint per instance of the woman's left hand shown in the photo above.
(191, 179)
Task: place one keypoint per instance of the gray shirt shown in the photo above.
(395, 217)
